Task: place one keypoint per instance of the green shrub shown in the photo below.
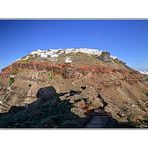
(15, 71)
(0, 79)
(11, 81)
(50, 74)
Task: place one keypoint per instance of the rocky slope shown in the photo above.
(89, 79)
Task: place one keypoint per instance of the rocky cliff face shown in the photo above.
(89, 81)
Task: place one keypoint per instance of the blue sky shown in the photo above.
(128, 40)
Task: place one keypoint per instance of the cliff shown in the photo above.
(89, 80)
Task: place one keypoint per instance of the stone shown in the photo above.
(46, 93)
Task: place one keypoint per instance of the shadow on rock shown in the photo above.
(50, 112)
(98, 118)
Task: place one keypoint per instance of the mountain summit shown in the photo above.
(89, 79)
(54, 53)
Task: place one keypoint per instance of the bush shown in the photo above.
(50, 74)
(0, 79)
(11, 81)
(15, 71)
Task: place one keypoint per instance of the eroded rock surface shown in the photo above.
(88, 82)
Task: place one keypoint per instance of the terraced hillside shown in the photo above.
(88, 80)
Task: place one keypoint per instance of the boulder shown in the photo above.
(46, 93)
(105, 56)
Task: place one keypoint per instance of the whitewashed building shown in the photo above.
(54, 57)
(68, 60)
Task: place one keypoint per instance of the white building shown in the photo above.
(44, 55)
(113, 57)
(68, 60)
(144, 72)
(54, 57)
(68, 50)
(54, 53)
